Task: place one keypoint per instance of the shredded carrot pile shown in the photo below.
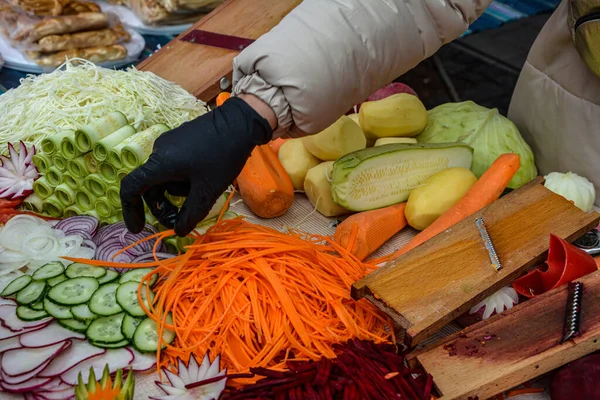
(259, 297)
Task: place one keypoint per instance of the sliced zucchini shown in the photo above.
(31, 293)
(16, 285)
(116, 345)
(82, 313)
(136, 275)
(56, 310)
(38, 306)
(127, 297)
(73, 291)
(77, 270)
(106, 329)
(57, 280)
(109, 277)
(28, 314)
(104, 300)
(74, 325)
(48, 271)
(145, 337)
(129, 325)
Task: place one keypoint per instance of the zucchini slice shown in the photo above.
(106, 329)
(104, 300)
(48, 271)
(28, 314)
(77, 270)
(73, 291)
(31, 293)
(16, 285)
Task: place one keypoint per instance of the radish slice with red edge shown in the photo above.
(21, 361)
(6, 333)
(24, 387)
(51, 334)
(117, 358)
(8, 316)
(9, 344)
(57, 395)
(55, 385)
(7, 301)
(14, 380)
(17, 173)
(142, 362)
(77, 353)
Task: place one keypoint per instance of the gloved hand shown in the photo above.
(199, 159)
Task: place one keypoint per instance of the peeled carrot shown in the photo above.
(264, 185)
(277, 143)
(485, 191)
(221, 97)
(371, 229)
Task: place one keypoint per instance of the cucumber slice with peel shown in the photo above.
(17, 285)
(127, 297)
(136, 275)
(116, 345)
(77, 270)
(110, 276)
(56, 310)
(73, 291)
(31, 293)
(145, 337)
(74, 325)
(129, 325)
(82, 313)
(106, 329)
(104, 300)
(29, 314)
(55, 281)
(37, 306)
(48, 271)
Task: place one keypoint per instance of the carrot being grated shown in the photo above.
(259, 297)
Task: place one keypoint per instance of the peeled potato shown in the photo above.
(399, 115)
(296, 161)
(389, 140)
(436, 195)
(355, 118)
(318, 190)
(342, 137)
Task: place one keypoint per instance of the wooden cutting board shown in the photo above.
(429, 286)
(513, 347)
(199, 68)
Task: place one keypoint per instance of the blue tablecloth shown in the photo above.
(499, 12)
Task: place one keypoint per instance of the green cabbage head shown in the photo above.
(486, 131)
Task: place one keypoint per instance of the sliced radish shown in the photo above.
(78, 352)
(6, 333)
(55, 385)
(14, 380)
(117, 358)
(142, 362)
(9, 344)
(24, 387)
(57, 394)
(21, 361)
(8, 316)
(51, 334)
(7, 301)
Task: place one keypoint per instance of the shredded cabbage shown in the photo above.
(76, 93)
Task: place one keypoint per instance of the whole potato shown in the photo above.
(437, 194)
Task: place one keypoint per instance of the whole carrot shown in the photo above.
(485, 191)
(221, 97)
(369, 230)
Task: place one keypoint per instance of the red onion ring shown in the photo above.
(84, 223)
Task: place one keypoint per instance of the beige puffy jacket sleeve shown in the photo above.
(327, 55)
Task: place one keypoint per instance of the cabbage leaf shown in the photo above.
(486, 131)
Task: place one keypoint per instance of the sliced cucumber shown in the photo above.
(129, 325)
(73, 291)
(31, 293)
(127, 297)
(56, 310)
(57, 280)
(77, 270)
(106, 329)
(28, 314)
(104, 300)
(145, 337)
(16, 285)
(82, 313)
(74, 325)
(48, 271)
(116, 345)
(109, 277)
(38, 306)
(136, 275)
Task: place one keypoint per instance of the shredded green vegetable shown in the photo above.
(73, 96)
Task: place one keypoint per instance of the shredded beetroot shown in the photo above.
(362, 370)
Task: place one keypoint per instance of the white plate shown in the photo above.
(130, 19)
(15, 59)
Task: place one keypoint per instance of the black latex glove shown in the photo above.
(199, 159)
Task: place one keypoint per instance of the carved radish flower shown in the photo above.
(17, 172)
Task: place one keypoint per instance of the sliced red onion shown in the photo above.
(90, 244)
(78, 232)
(109, 247)
(150, 257)
(78, 223)
(17, 172)
(108, 231)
